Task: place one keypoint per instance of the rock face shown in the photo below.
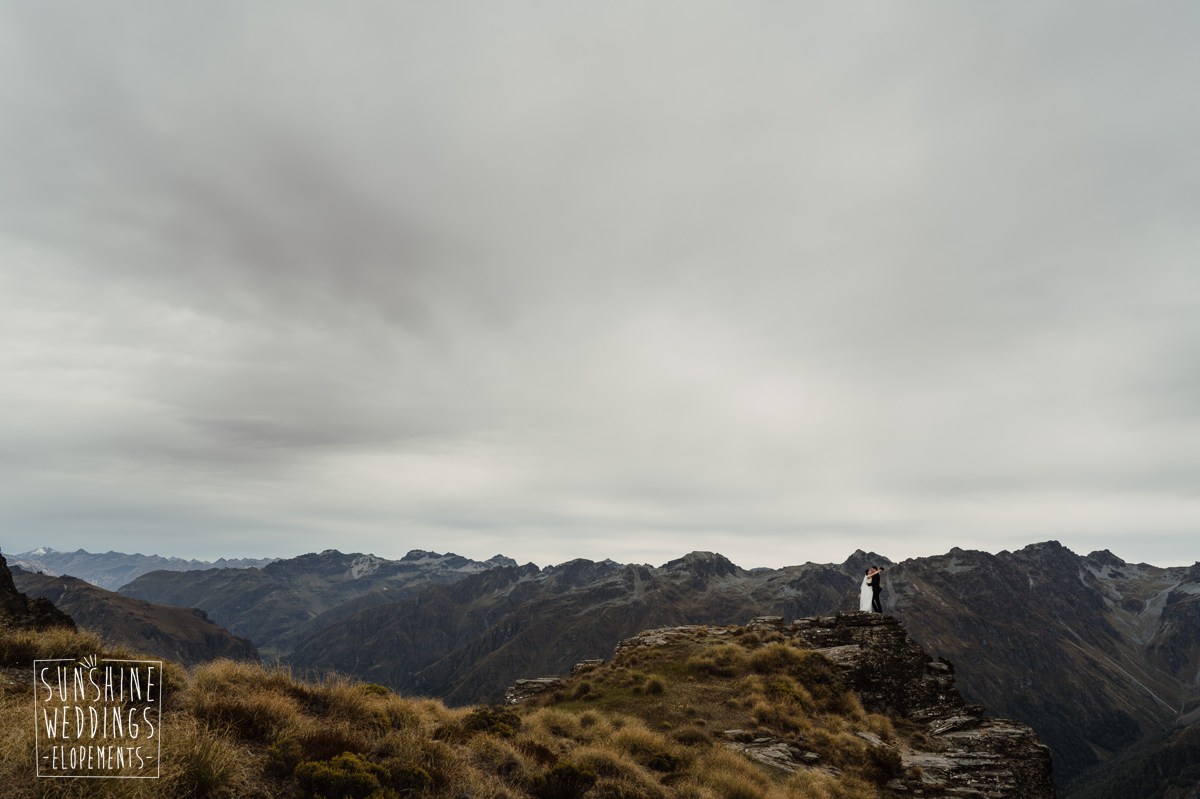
(185, 635)
(21, 612)
(891, 674)
(947, 748)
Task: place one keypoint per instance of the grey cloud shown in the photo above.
(619, 271)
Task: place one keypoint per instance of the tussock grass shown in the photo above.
(650, 727)
(19, 648)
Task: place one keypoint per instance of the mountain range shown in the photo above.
(846, 705)
(1101, 657)
(286, 601)
(112, 570)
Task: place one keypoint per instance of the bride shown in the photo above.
(864, 593)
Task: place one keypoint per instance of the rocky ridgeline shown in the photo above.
(20, 612)
(953, 747)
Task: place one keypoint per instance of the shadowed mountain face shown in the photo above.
(172, 633)
(281, 602)
(111, 570)
(1097, 654)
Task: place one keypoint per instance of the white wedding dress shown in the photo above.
(864, 595)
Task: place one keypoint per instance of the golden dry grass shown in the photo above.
(650, 729)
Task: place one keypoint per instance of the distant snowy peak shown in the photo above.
(111, 570)
(32, 566)
(453, 563)
(364, 565)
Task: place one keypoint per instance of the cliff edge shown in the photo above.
(769, 689)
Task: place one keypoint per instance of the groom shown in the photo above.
(876, 588)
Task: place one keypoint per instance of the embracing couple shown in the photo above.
(871, 582)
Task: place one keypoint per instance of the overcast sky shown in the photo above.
(606, 279)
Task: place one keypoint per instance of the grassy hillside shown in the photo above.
(646, 725)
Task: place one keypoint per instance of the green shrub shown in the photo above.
(497, 721)
(282, 758)
(563, 781)
(348, 776)
(407, 778)
(374, 689)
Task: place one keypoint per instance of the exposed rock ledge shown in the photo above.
(956, 749)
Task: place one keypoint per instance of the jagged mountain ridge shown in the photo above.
(277, 604)
(111, 570)
(169, 632)
(466, 641)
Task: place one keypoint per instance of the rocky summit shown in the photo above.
(938, 745)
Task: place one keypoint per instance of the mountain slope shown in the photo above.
(171, 633)
(465, 642)
(279, 603)
(1095, 653)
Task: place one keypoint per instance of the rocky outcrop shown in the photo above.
(890, 673)
(948, 748)
(964, 752)
(19, 611)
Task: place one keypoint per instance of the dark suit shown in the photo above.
(876, 605)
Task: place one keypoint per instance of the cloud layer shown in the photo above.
(599, 280)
